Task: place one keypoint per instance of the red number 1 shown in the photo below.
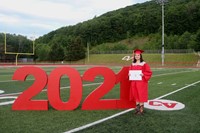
(122, 78)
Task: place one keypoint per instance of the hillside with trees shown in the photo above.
(139, 21)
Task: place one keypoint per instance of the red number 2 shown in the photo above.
(24, 102)
(94, 101)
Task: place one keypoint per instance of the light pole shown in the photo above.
(162, 3)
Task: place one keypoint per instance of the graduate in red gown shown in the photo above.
(139, 87)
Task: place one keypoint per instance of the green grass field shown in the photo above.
(164, 80)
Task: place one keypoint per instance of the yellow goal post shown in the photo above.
(18, 53)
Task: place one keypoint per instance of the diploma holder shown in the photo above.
(135, 75)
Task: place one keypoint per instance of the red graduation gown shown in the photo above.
(139, 88)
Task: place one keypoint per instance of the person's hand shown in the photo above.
(141, 74)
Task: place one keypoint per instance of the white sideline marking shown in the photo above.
(99, 121)
(187, 84)
(123, 112)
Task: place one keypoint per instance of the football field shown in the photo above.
(176, 84)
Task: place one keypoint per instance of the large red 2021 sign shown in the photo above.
(92, 102)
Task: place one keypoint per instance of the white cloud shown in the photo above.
(8, 19)
(44, 26)
(43, 16)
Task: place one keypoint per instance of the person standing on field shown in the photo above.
(139, 75)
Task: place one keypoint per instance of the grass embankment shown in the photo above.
(171, 60)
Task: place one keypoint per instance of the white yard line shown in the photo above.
(123, 112)
(18, 93)
(14, 80)
(173, 73)
(11, 94)
(177, 90)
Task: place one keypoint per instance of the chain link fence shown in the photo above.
(146, 51)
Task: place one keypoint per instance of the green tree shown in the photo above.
(56, 52)
(197, 46)
(154, 42)
(184, 40)
(171, 42)
(42, 52)
(75, 50)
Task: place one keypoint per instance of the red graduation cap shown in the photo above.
(138, 51)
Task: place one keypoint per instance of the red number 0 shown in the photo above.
(54, 88)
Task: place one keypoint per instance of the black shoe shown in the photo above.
(141, 110)
(137, 109)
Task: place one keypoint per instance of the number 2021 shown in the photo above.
(92, 102)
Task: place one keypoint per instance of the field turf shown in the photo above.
(164, 80)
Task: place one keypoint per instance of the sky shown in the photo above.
(34, 18)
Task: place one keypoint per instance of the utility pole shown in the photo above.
(162, 3)
(88, 52)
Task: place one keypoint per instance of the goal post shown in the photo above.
(18, 53)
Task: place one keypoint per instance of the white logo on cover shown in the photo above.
(127, 58)
(162, 104)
